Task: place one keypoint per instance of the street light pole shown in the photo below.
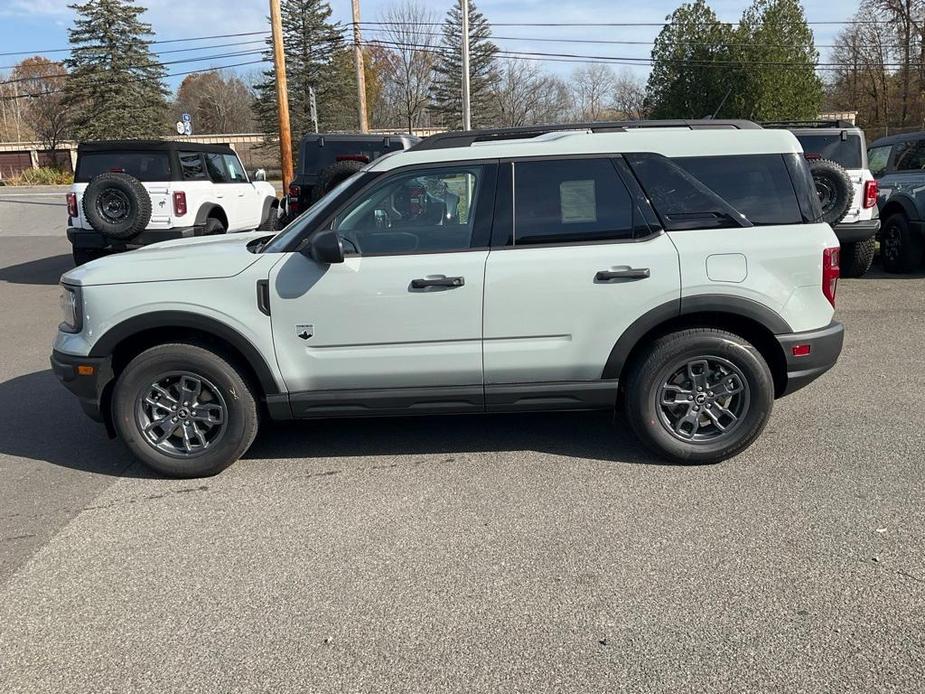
(466, 114)
(282, 95)
(361, 72)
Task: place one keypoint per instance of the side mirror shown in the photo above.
(260, 175)
(326, 247)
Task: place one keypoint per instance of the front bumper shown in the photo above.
(857, 231)
(88, 384)
(824, 347)
(87, 238)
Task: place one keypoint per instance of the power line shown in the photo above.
(625, 24)
(149, 43)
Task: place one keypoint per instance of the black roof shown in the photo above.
(151, 145)
(810, 124)
(359, 137)
(464, 138)
(901, 137)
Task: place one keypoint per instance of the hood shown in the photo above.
(205, 257)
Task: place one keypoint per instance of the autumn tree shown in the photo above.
(42, 83)
(218, 102)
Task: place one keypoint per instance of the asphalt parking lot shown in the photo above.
(504, 553)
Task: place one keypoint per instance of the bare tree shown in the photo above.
(525, 94)
(407, 80)
(40, 84)
(219, 102)
(629, 96)
(593, 87)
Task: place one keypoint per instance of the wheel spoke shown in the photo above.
(675, 395)
(688, 425)
(712, 415)
(728, 385)
(210, 414)
(697, 371)
(167, 432)
(164, 393)
(190, 388)
(199, 435)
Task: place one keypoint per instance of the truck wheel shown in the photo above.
(117, 205)
(699, 396)
(332, 175)
(271, 223)
(214, 226)
(901, 249)
(184, 410)
(833, 185)
(856, 257)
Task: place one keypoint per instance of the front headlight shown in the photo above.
(71, 309)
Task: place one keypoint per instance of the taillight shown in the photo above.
(179, 203)
(871, 189)
(72, 204)
(830, 272)
(295, 191)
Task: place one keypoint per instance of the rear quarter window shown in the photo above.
(145, 166)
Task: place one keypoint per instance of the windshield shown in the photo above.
(845, 152)
(317, 211)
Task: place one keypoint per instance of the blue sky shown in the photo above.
(39, 25)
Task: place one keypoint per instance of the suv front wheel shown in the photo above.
(184, 410)
(699, 396)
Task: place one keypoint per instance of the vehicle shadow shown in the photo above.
(41, 271)
(44, 422)
(878, 273)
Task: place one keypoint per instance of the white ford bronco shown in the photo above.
(676, 270)
(132, 193)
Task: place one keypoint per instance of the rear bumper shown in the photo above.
(824, 348)
(87, 238)
(857, 231)
(89, 387)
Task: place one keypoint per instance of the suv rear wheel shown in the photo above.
(901, 249)
(699, 396)
(857, 257)
(184, 410)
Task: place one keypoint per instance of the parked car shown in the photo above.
(326, 159)
(898, 162)
(847, 189)
(572, 267)
(131, 193)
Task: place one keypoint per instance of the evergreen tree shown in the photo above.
(775, 47)
(115, 88)
(483, 73)
(316, 57)
(691, 69)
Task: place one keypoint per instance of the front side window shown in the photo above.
(192, 167)
(570, 201)
(235, 170)
(215, 165)
(910, 156)
(427, 211)
(878, 158)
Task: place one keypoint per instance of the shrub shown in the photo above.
(43, 176)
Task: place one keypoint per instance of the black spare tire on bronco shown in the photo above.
(117, 205)
(334, 174)
(833, 185)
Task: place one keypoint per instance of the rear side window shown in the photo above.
(565, 201)
(757, 185)
(910, 156)
(145, 166)
(848, 152)
(192, 167)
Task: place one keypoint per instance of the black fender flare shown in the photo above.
(268, 203)
(903, 201)
(110, 340)
(726, 305)
(205, 211)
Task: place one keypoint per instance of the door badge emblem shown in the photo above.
(304, 331)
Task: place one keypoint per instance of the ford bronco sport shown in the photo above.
(132, 193)
(675, 269)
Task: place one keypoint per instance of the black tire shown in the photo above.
(85, 255)
(271, 223)
(671, 354)
(901, 248)
(117, 205)
(214, 226)
(132, 409)
(834, 187)
(857, 257)
(332, 175)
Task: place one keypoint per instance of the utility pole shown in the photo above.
(361, 72)
(282, 94)
(466, 114)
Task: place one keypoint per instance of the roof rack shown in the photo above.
(465, 138)
(840, 123)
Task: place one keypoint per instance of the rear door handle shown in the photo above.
(440, 281)
(632, 273)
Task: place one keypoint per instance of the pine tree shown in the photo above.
(316, 57)
(115, 88)
(775, 47)
(483, 72)
(691, 69)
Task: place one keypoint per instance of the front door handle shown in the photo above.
(630, 273)
(440, 281)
